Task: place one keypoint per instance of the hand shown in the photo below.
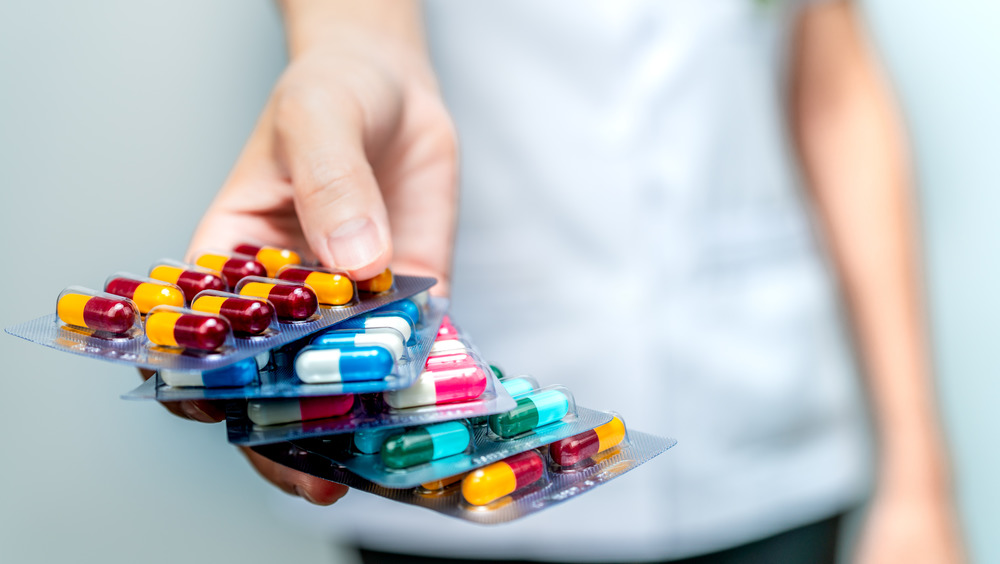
(354, 140)
(910, 527)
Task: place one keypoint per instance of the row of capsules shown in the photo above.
(189, 307)
(402, 449)
(364, 348)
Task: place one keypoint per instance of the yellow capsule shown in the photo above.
(146, 293)
(332, 288)
(442, 483)
(377, 285)
(272, 258)
(492, 482)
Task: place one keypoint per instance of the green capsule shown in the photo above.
(531, 412)
(496, 371)
(425, 443)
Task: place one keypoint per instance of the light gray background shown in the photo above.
(119, 120)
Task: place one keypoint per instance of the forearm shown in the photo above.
(854, 156)
(310, 22)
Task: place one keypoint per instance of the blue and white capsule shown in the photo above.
(405, 307)
(382, 336)
(375, 320)
(426, 443)
(328, 365)
(235, 375)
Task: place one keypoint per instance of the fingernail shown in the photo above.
(355, 244)
(301, 492)
(192, 411)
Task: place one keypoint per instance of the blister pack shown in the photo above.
(411, 456)
(366, 354)
(508, 489)
(455, 384)
(182, 318)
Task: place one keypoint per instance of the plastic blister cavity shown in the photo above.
(272, 258)
(145, 292)
(232, 266)
(187, 330)
(333, 288)
(190, 278)
(336, 364)
(444, 494)
(413, 447)
(98, 314)
(392, 320)
(541, 407)
(445, 379)
(407, 308)
(293, 302)
(248, 316)
(581, 449)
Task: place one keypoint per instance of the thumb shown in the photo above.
(337, 199)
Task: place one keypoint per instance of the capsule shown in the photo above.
(247, 316)
(235, 375)
(442, 346)
(497, 371)
(233, 268)
(145, 292)
(320, 365)
(375, 320)
(377, 285)
(292, 301)
(272, 258)
(447, 331)
(437, 387)
(382, 336)
(406, 308)
(443, 482)
(369, 441)
(425, 443)
(490, 483)
(189, 278)
(571, 450)
(332, 288)
(175, 327)
(279, 411)
(449, 361)
(105, 313)
(538, 409)
(518, 387)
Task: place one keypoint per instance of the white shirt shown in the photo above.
(632, 226)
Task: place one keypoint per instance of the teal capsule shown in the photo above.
(518, 387)
(531, 412)
(425, 443)
(496, 371)
(369, 441)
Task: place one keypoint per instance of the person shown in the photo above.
(639, 180)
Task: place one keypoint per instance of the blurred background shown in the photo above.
(118, 122)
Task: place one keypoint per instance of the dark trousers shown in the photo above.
(815, 543)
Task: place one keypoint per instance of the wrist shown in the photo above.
(311, 24)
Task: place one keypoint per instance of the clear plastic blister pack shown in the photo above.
(466, 388)
(433, 452)
(104, 325)
(505, 490)
(274, 374)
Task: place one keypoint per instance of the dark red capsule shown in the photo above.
(569, 451)
(200, 332)
(106, 314)
(193, 283)
(292, 302)
(527, 467)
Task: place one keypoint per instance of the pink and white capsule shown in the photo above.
(440, 386)
(278, 411)
(449, 361)
(443, 346)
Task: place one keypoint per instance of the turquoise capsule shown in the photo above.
(369, 441)
(531, 412)
(425, 443)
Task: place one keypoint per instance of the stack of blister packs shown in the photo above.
(366, 383)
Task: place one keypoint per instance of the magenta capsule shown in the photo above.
(292, 302)
(248, 316)
(176, 327)
(449, 361)
(233, 268)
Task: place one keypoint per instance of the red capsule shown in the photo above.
(233, 269)
(191, 282)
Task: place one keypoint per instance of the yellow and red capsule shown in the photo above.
(145, 292)
(247, 316)
(96, 311)
(571, 450)
(191, 279)
(272, 258)
(377, 285)
(183, 328)
(332, 288)
(233, 268)
(291, 301)
(490, 483)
